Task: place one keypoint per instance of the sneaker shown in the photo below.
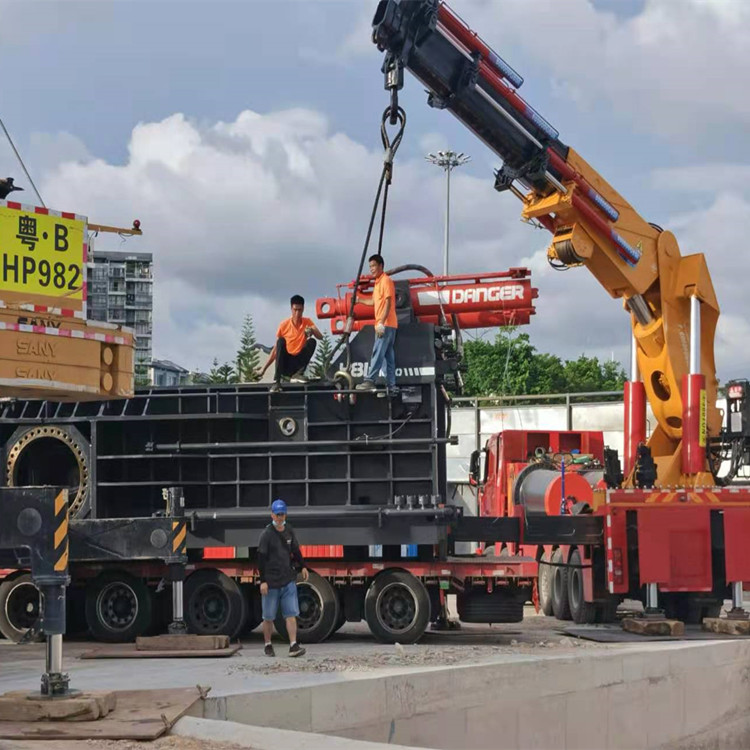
(298, 377)
(268, 650)
(296, 650)
(389, 392)
(275, 388)
(366, 385)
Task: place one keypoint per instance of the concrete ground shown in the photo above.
(351, 650)
(350, 654)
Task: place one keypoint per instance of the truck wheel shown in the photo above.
(397, 607)
(214, 604)
(690, 608)
(319, 611)
(544, 583)
(607, 611)
(75, 611)
(118, 607)
(254, 614)
(19, 606)
(560, 605)
(341, 621)
(581, 611)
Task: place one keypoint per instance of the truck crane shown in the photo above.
(669, 514)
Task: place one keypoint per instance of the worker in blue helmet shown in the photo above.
(279, 562)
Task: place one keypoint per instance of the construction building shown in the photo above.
(121, 290)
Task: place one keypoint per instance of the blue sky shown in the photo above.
(135, 108)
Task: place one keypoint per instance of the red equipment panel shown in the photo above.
(736, 547)
(674, 548)
(617, 551)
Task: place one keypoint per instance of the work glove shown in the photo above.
(379, 330)
(308, 331)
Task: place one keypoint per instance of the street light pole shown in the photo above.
(448, 161)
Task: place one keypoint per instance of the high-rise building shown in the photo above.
(121, 290)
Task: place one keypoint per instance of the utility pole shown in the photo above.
(448, 161)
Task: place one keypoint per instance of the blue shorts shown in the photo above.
(287, 596)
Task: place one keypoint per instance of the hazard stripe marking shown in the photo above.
(179, 538)
(61, 533)
(62, 563)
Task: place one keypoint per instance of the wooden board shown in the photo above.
(138, 715)
(181, 642)
(727, 626)
(128, 651)
(647, 626)
(615, 634)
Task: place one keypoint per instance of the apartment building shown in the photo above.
(121, 290)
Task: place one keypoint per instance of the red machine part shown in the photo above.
(510, 451)
(693, 423)
(466, 321)
(635, 421)
(478, 301)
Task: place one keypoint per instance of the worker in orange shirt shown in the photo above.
(294, 345)
(384, 301)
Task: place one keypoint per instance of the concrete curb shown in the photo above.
(267, 738)
(653, 696)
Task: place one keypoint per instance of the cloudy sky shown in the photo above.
(245, 137)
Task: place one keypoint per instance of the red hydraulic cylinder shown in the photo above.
(466, 321)
(635, 421)
(501, 295)
(693, 423)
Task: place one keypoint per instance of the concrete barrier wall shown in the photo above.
(686, 695)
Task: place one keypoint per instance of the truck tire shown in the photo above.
(560, 604)
(397, 607)
(19, 606)
(341, 621)
(119, 607)
(254, 614)
(544, 584)
(75, 611)
(581, 611)
(214, 604)
(607, 611)
(690, 608)
(319, 611)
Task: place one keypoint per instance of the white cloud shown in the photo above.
(241, 214)
(703, 178)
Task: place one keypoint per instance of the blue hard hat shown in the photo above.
(278, 507)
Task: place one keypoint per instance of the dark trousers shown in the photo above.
(290, 364)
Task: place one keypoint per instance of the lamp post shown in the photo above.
(448, 161)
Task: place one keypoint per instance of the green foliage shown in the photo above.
(323, 350)
(248, 356)
(222, 373)
(511, 366)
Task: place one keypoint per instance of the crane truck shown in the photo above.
(675, 528)
(358, 471)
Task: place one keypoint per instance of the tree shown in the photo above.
(503, 368)
(222, 373)
(322, 355)
(248, 357)
(511, 366)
